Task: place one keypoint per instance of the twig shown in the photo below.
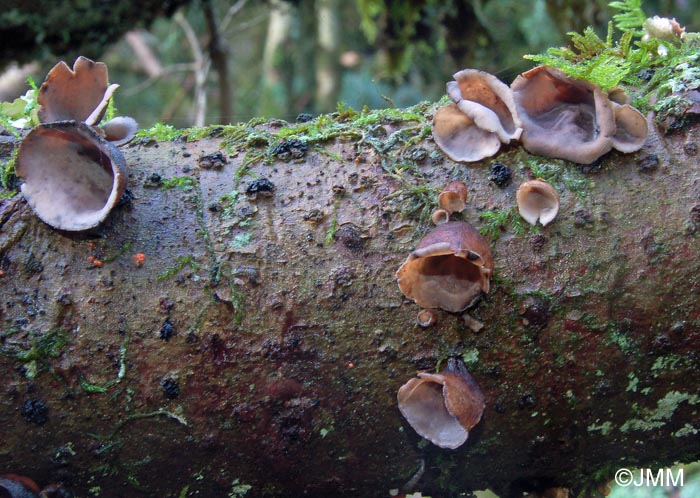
(200, 72)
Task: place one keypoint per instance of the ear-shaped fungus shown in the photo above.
(16, 486)
(453, 197)
(537, 199)
(488, 117)
(632, 128)
(449, 269)
(75, 94)
(72, 176)
(442, 407)
(563, 117)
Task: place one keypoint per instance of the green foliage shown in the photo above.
(609, 63)
(182, 261)
(42, 347)
(7, 171)
(185, 183)
(631, 16)
(161, 132)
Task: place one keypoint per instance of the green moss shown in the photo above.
(161, 132)
(42, 347)
(604, 428)
(182, 262)
(651, 419)
(184, 183)
(8, 179)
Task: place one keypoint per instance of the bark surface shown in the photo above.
(261, 345)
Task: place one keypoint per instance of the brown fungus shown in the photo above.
(72, 176)
(440, 216)
(442, 407)
(563, 117)
(426, 318)
(83, 94)
(453, 197)
(482, 116)
(80, 94)
(632, 128)
(537, 200)
(449, 269)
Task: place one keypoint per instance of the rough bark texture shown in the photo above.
(263, 341)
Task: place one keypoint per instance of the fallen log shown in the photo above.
(235, 328)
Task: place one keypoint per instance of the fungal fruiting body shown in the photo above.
(449, 269)
(573, 119)
(73, 173)
(72, 176)
(453, 197)
(537, 200)
(16, 486)
(563, 117)
(481, 117)
(442, 407)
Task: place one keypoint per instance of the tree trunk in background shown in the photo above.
(327, 62)
(261, 345)
(277, 75)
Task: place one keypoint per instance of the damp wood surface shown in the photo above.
(262, 342)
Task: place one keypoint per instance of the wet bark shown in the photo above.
(263, 340)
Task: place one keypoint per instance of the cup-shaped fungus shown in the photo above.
(440, 216)
(483, 115)
(453, 197)
(82, 94)
(442, 407)
(563, 117)
(632, 128)
(16, 486)
(449, 269)
(537, 199)
(72, 176)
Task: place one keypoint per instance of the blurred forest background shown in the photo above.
(195, 62)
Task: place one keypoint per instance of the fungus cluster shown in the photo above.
(442, 407)
(552, 114)
(72, 170)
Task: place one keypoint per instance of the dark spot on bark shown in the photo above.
(691, 149)
(649, 163)
(304, 117)
(501, 174)
(534, 312)
(153, 181)
(351, 237)
(290, 149)
(216, 132)
(166, 305)
(595, 167)
(167, 330)
(537, 242)
(260, 187)
(32, 264)
(212, 161)
(126, 199)
(583, 218)
(526, 401)
(171, 388)
(35, 411)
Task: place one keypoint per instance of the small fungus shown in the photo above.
(138, 259)
(449, 269)
(453, 197)
(632, 128)
(17, 486)
(537, 199)
(426, 318)
(483, 115)
(440, 216)
(72, 176)
(442, 407)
